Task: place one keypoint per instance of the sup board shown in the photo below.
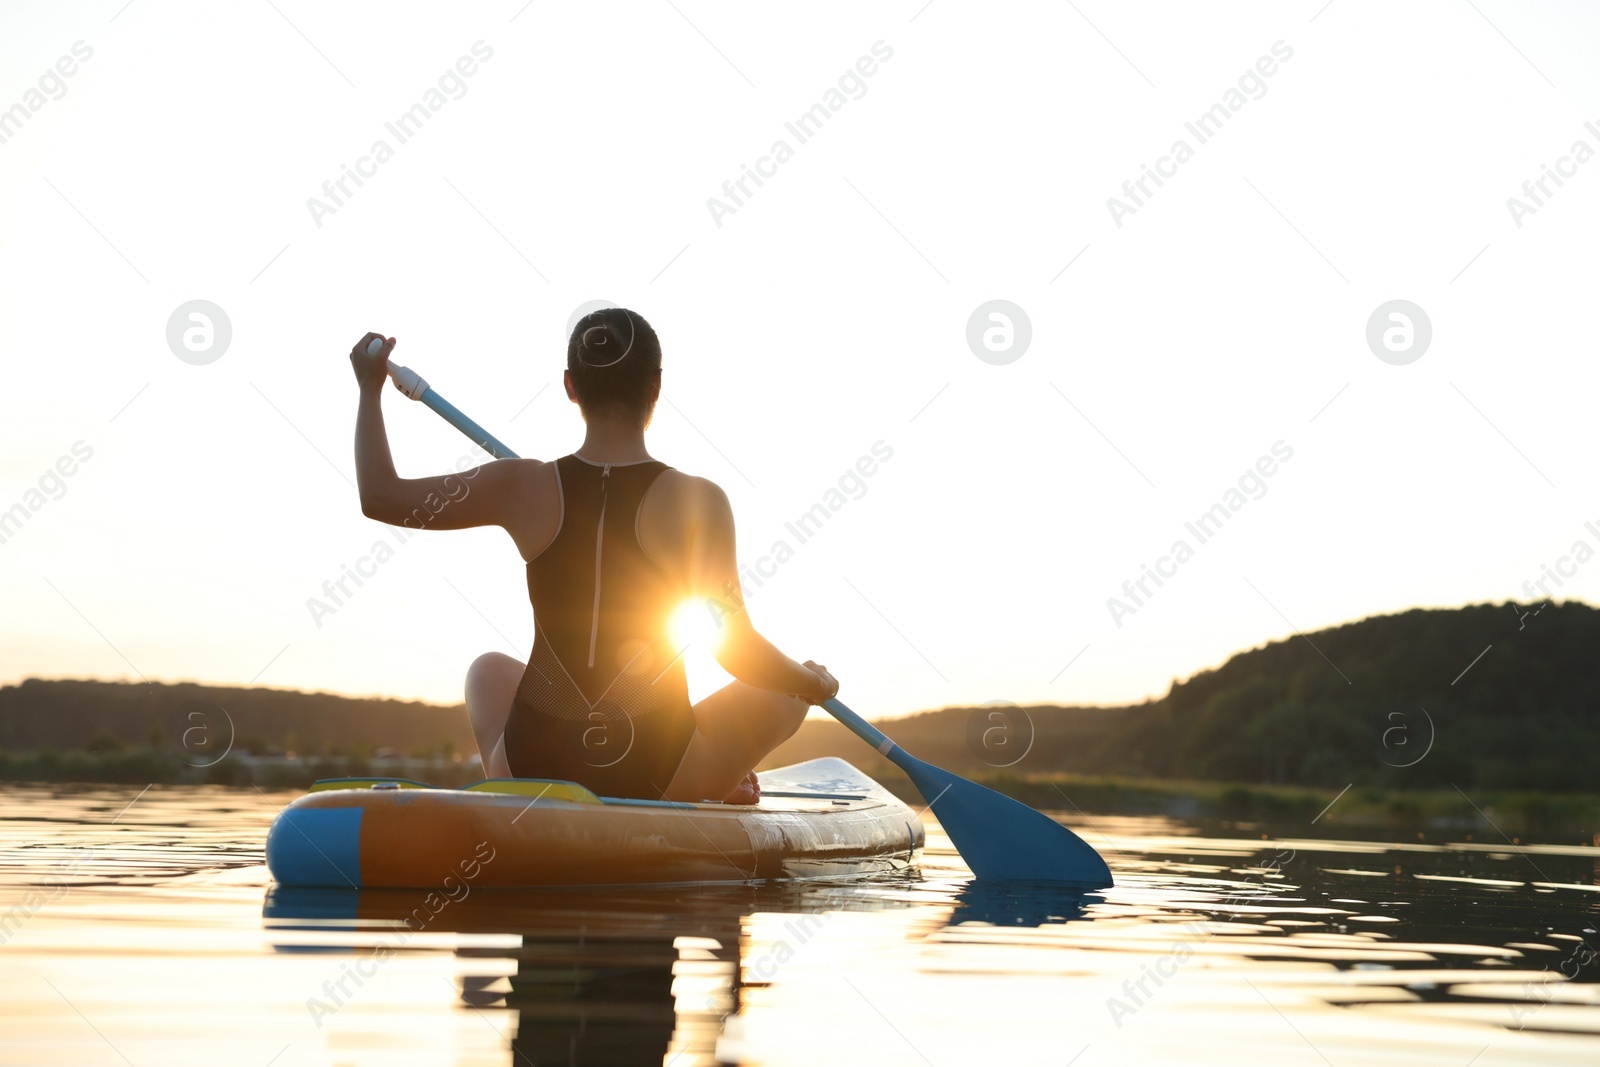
(818, 819)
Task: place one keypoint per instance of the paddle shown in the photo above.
(412, 385)
(1000, 838)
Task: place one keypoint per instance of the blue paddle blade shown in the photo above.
(999, 838)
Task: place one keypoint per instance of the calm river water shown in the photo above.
(151, 934)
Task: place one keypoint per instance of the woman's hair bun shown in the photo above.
(599, 346)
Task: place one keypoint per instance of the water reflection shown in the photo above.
(594, 976)
(1020, 904)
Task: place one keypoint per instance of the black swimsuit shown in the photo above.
(603, 701)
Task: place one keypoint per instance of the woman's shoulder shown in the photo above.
(690, 485)
(510, 473)
(688, 494)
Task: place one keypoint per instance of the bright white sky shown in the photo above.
(828, 313)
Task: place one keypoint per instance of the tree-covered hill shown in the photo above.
(1484, 696)
(1509, 698)
(200, 719)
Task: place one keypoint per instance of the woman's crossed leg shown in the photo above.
(735, 728)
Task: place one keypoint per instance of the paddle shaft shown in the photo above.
(859, 726)
(480, 437)
(414, 387)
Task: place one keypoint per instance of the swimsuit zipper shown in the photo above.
(599, 539)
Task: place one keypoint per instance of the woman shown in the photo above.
(614, 541)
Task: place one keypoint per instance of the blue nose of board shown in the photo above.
(316, 847)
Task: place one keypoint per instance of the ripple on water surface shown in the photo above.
(146, 931)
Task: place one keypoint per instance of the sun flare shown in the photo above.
(692, 625)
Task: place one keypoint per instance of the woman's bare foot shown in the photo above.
(746, 792)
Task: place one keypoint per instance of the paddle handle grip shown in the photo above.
(859, 726)
(408, 381)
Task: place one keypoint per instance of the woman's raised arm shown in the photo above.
(483, 496)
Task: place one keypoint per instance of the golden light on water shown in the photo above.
(158, 938)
